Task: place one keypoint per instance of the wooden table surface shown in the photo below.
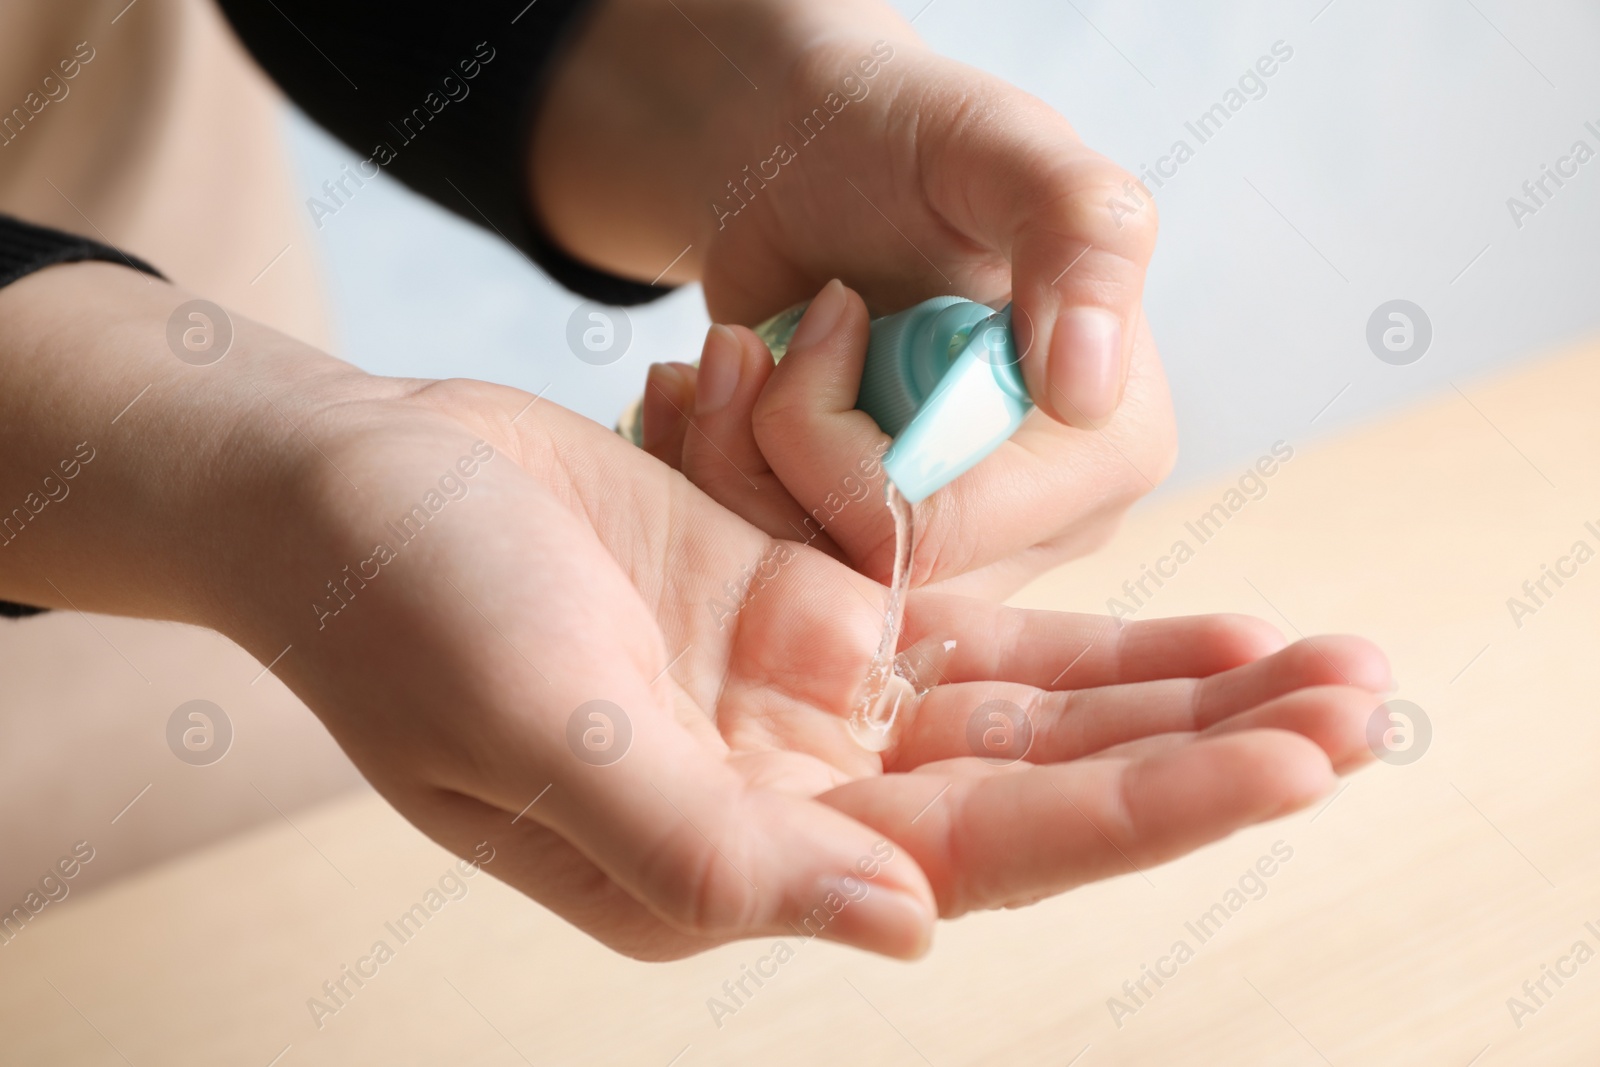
(1412, 907)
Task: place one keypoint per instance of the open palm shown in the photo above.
(725, 797)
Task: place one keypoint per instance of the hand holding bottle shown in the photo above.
(785, 447)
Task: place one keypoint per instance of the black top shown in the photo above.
(442, 98)
(25, 248)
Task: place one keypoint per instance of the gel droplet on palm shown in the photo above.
(923, 663)
(873, 717)
(894, 682)
(944, 380)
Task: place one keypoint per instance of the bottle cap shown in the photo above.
(944, 380)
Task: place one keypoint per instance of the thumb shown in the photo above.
(715, 856)
(639, 783)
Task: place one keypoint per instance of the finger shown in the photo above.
(824, 450)
(1078, 231)
(1010, 837)
(716, 859)
(1050, 490)
(988, 719)
(539, 862)
(1337, 660)
(720, 454)
(1060, 650)
(669, 390)
(1056, 491)
(1334, 717)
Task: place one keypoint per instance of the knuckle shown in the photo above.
(697, 890)
(776, 417)
(1240, 638)
(457, 395)
(944, 548)
(1312, 665)
(1111, 210)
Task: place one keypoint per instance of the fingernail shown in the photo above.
(663, 389)
(821, 317)
(1086, 363)
(721, 362)
(873, 916)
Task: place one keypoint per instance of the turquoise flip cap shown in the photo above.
(944, 380)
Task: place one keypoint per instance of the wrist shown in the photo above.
(146, 480)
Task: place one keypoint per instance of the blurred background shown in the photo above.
(1375, 165)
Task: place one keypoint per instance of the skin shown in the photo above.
(773, 451)
(940, 179)
(574, 568)
(570, 567)
(934, 178)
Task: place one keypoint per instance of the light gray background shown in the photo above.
(1376, 167)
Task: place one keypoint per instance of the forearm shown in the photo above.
(133, 482)
(658, 104)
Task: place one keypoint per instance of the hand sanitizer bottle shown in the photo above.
(943, 378)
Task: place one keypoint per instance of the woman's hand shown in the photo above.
(785, 448)
(866, 157)
(715, 791)
(452, 574)
(766, 146)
